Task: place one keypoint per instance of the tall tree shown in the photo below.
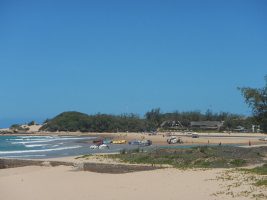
(154, 118)
(256, 98)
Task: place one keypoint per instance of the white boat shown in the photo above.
(103, 146)
(93, 146)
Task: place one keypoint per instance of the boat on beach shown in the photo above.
(146, 143)
(103, 146)
(140, 142)
(134, 142)
(94, 146)
(98, 142)
(107, 141)
(119, 142)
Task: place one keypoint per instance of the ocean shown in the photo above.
(41, 147)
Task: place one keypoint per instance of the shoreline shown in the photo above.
(158, 141)
(161, 137)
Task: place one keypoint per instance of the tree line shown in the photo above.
(152, 121)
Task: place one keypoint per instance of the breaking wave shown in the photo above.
(39, 150)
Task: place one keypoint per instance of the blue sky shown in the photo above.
(128, 56)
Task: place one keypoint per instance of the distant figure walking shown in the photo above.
(249, 143)
(220, 144)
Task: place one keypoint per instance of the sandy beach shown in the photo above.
(161, 137)
(65, 183)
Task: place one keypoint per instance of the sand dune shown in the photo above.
(64, 183)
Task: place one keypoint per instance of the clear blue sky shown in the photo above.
(128, 56)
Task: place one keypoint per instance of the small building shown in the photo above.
(240, 129)
(172, 124)
(206, 125)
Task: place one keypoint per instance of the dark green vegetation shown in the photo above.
(153, 120)
(31, 123)
(75, 121)
(198, 157)
(256, 98)
(261, 182)
(258, 170)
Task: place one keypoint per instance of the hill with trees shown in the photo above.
(152, 121)
(76, 121)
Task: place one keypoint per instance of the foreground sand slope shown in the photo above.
(63, 183)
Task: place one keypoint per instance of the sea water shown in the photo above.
(41, 147)
(31, 147)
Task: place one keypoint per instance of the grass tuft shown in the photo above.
(262, 170)
(261, 182)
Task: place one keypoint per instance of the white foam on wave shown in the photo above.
(27, 156)
(29, 139)
(40, 150)
(35, 145)
(73, 138)
(32, 142)
(47, 139)
(36, 136)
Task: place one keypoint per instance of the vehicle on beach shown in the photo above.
(93, 146)
(119, 142)
(134, 142)
(140, 142)
(195, 135)
(103, 146)
(145, 143)
(174, 140)
(263, 139)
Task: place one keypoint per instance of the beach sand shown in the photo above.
(204, 138)
(64, 183)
